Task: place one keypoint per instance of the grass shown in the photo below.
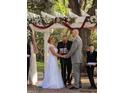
(40, 66)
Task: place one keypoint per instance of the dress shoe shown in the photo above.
(69, 84)
(66, 86)
(73, 88)
(92, 87)
(80, 86)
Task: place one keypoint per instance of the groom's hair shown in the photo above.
(76, 30)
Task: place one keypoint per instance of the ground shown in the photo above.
(64, 90)
(84, 89)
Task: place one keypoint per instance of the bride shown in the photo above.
(52, 76)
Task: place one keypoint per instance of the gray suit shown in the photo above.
(76, 58)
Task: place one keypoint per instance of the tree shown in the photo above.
(61, 6)
(89, 6)
(91, 11)
(36, 6)
(76, 6)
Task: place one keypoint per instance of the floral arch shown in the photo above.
(44, 23)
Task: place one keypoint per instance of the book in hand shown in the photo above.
(63, 51)
(91, 63)
(28, 55)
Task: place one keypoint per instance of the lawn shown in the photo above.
(40, 66)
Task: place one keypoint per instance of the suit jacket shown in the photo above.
(62, 45)
(76, 51)
(92, 57)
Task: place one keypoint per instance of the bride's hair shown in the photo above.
(50, 38)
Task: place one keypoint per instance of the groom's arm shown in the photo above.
(72, 50)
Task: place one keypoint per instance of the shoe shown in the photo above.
(92, 87)
(69, 84)
(66, 86)
(39, 87)
(73, 88)
(80, 86)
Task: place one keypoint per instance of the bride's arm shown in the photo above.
(55, 53)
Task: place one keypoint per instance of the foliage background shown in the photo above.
(61, 6)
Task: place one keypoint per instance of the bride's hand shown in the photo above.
(63, 56)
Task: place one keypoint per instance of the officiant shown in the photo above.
(66, 65)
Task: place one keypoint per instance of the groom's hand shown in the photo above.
(64, 56)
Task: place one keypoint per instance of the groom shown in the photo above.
(76, 57)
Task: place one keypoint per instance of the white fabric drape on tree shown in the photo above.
(33, 78)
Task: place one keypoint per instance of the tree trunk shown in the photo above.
(91, 11)
(84, 33)
(75, 7)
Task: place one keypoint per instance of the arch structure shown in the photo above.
(56, 22)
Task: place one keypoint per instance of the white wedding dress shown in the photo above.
(52, 75)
